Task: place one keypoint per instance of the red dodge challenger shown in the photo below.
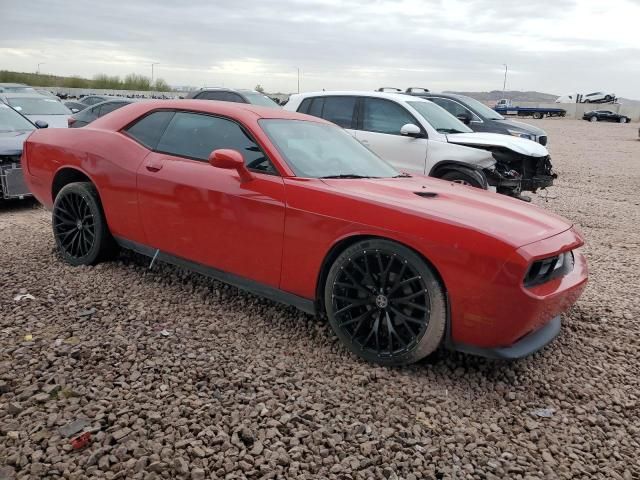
(293, 208)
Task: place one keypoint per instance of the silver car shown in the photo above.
(38, 107)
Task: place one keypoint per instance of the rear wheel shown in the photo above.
(623, 120)
(79, 225)
(385, 303)
(538, 115)
(463, 178)
(593, 119)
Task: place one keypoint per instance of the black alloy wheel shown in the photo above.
(385, 303)
(79, 227)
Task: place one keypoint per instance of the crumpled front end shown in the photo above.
(12, 183)
(515, 173)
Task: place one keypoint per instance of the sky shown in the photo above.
(552, 46)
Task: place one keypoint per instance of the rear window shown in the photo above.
(150, 128)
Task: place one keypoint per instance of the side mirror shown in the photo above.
(41, 124)
(411, 130)
(230, 160)
(464, 118)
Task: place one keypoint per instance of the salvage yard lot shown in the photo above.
(179, 376)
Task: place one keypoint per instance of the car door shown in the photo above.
(204, 214)
(379, 124)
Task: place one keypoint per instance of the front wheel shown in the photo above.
(623, 120)
(464, 178)
(593, 119)
(385, 303)
(79, 226)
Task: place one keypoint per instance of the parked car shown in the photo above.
(231, 95)
(595, 97)
(295, 209)
(47, 93)
(605, 116)
(16, 88)
(89, 114)
(418, 136)
(481, 118)
(90, 100)
(14, 129)
(74, 106)
(37, 107)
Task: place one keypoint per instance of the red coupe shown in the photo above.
(293, 208)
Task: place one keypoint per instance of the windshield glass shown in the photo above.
(439, 118)
(316, 150)
(10, 121)
(17, 89)
(38, 106)
(259, 99)
(481, 109)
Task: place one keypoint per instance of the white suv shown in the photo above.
(417, 135)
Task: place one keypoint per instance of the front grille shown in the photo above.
(542, 139)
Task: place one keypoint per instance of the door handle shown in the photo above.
(153, 168)
(154, 164)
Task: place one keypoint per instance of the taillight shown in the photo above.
(71, 121)
(542, 271)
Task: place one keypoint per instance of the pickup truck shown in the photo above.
(506, 107)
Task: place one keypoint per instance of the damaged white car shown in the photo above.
(416, 135)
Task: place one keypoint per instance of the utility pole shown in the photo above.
(504, 85)
(152, 65)
(38, 69)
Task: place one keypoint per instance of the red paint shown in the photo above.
(81, 441)
(278, 229)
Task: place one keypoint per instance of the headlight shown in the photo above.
(517, 133)
(542, 271)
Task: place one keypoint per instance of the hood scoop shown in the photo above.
(426, 194)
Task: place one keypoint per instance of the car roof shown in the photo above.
(399, 97)
(239, 111)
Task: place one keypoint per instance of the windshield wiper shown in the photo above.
(403, 175)
(347, 175)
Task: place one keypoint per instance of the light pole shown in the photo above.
(504, 85)
(38, 70)
(152, 65)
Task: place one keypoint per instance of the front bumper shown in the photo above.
(524, 347)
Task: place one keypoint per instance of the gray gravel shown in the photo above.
(177, 376)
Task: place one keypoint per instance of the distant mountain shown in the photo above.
(514, 95)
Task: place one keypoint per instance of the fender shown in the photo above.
(473, 170)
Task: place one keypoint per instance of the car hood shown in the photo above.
(525, 127)
(507, 219)
(11, 142)
(518, 145)
(54, 121)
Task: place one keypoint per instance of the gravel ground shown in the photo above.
(178, 376)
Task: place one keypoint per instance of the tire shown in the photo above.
(462, 178)
(79, 226)
(538, 115)
(623, 120)
(385, 303)
(593, 119)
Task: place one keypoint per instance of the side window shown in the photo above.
(92, 100)
(339, 110)
(110, 107)
(384, 116)
(150, 128)
(454, 108)
(316, 107)
(193, 135)
(234, 97)
(304, 106)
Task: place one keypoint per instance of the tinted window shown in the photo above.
(195, 136)
(339, 110)
(91, 100)
(316, 107)
(454, 108)
(384, 116)
(304, 106)
(110, 107)
(221, 96)
(149, 129)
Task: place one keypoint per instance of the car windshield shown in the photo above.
(439, 118)
(482, 109)
(318, 150)
(259, 99)
(38, 106)
(17, 89)
(10, 121)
